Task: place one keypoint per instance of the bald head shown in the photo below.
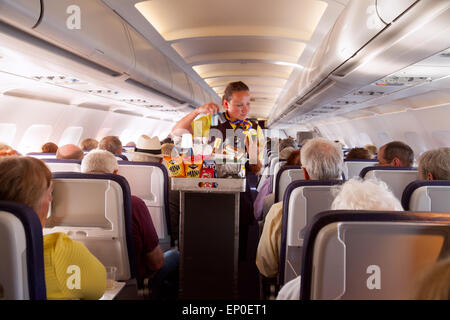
(69, 152)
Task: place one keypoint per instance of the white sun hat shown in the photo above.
(149, 145)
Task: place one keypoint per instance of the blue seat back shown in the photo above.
(353, 167)
(285, 176)
(41, 155)
(60, 165)
(302, 200)
(355, 254)
(96, 210)
(150, 182)
(276, 169)
(397, 178)
(22, 273)
(427, 195)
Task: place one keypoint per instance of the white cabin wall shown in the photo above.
(23, 113)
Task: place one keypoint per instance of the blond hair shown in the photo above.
(24, 180)
(88, 144)
(434, 284)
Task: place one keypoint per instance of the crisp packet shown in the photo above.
(175, 166)
(192, 166)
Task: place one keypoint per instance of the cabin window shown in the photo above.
(103, 132)
(364, 139)
(127, 136)
(353, 142)
(415, 142)
(35, 136)
(441, 138)
(71, 135)
(383, 138)
(7, 133)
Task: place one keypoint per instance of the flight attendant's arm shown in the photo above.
(185, 123)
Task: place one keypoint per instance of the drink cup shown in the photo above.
(110, 277)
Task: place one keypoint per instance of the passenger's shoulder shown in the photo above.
(137, 201)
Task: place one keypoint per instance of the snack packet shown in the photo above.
(175, 166)
(192, 166)
(208, 171)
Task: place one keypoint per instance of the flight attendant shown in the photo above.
(236, 101)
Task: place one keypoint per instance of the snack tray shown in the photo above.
(198, 184)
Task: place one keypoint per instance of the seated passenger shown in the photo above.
(264, 200)
(321, 160)
(396, 154)
(148, 149)
(287, 143)
(358, 153)
(69, 152)
(435, 164)
(151, 261)
(28, 180)
(113, 145)
(434, 283)
(6, 150)
(49, 147)
(131, 144)
(372, 150)
(293, 159)
(355, 194)
(286, 152)
(88, 144)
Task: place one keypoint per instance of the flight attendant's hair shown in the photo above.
(233, 87)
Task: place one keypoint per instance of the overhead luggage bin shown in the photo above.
(107, 46)
(24, 12)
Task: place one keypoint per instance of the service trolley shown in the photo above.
(209, 237)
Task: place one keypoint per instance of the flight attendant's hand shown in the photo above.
(209, 108)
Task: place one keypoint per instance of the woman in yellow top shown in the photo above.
(71, 271)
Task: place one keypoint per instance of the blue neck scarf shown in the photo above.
(242, 124)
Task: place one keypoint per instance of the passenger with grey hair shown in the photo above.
(151, 261)
(99, 161)
(321, 160)
(435, 164)
(355, 194)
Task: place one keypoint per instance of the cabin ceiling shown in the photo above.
(264, 43)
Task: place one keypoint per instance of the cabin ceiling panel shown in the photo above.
(263, 81)
(219, 48)
(191, 18)
(237, 69)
